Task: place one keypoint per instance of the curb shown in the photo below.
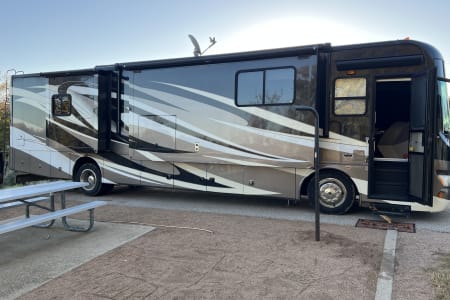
(386, 275)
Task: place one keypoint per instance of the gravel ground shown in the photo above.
(244, 257)
(416, 255)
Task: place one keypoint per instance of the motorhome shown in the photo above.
(230, 124)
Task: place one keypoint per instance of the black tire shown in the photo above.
(90, 173)
(337, 193)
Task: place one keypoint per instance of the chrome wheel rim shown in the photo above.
(332, 192)
(90, 177)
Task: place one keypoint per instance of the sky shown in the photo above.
(54, 35)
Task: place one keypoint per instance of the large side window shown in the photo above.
(61, 105)
(265, 87)
(350, 96)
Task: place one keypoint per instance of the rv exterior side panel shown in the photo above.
(225, 123)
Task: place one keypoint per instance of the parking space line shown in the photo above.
(386, 275)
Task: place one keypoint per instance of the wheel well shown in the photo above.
(307, 180)
(81, 161)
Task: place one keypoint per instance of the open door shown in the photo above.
(388, 162)
(420, 142)
(401, 160)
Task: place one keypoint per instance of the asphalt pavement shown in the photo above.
(254, 206)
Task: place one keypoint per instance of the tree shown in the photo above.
(2, 89)
(4, 116)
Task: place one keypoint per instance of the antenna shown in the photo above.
(197, 50)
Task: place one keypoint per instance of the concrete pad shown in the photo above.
(32, 256)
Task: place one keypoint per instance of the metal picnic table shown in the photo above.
(30, 195)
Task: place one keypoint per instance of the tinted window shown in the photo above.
(61, 105)
(266, 87)
(279, 86)
(250, 88)
(445, 100)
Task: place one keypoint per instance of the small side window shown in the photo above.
(250, 88)
(350, 96)
(279, 86)
(62, 105)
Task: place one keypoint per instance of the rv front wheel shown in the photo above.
(91, 174)
(336, 192)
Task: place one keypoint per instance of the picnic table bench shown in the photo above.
(31, 195)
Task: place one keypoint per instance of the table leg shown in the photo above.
(52, 208)
(69, 227)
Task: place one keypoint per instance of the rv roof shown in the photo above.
(222, 58)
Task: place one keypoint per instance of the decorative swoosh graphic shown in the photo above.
(188, 132)
(273, 117)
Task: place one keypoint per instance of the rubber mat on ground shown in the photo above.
(383, 225)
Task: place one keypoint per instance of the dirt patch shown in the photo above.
(244, 257)
(422, 269)
(440, 276)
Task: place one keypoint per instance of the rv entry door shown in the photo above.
(420, 142)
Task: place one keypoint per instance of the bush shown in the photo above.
(9, 178)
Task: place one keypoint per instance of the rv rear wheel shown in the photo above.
(91, 174)
(336, 192)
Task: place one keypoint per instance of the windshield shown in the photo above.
(444, 86)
